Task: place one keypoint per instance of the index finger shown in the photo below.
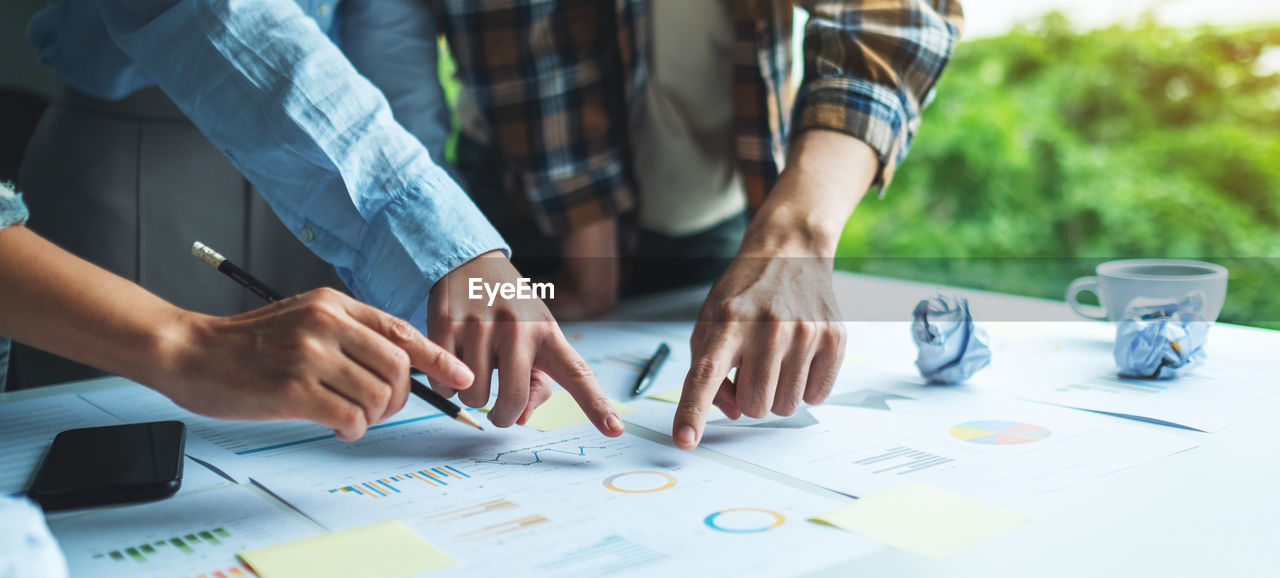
(700, 387)
(431, 359)
(558, 359)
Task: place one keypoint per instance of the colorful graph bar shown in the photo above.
(500, 529)
(233, 572)
(184, 544)
(480, 509)
(384, 487)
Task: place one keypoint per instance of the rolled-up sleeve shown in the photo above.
(269, 88)
(871, 67)
(12, 210)
(395, 44)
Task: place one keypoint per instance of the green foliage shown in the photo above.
(1049, 150)
(447, 70)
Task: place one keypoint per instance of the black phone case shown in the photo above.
(51, 499)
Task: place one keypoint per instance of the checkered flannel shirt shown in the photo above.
(556, 82)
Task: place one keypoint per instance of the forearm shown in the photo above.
(827, 174)
(270, 90)
(393, 43)
(54, 301)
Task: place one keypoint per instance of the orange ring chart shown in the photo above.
(640, 482)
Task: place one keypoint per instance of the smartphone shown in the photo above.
(111, 465)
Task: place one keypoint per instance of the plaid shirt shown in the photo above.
(556, 81)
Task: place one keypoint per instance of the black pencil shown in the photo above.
(217, 261)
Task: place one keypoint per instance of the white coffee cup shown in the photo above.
(1119, 283)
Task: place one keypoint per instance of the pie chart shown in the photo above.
(999, 433)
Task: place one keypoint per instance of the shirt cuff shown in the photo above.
(864, 110)
(417, 238)
(566, 205)
(12, 210)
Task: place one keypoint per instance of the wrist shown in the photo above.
(597, 240)
(784, 232)
(827, 175)
(171, 347)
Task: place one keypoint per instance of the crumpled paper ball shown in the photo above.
(1158, 340)
(951, 348)
(26, 546)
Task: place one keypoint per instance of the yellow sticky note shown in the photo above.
(669, 396)
(388, 549)
(922, 520)
(561, 411)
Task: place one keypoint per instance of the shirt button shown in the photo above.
(323, 10)
(308, 235)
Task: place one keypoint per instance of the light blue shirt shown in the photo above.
(265, 81)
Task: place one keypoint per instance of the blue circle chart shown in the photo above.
(744, 520)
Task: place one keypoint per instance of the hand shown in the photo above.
(776, 320)
(321, 356)
(773, 313)
(587, 285)
(519, 337)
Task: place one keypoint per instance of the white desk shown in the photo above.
(1210, 511)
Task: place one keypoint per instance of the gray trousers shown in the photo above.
(129, 186)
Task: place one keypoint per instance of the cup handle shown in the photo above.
(1079, 286)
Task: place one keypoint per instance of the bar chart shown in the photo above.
(232, 572)
(611, 554)
(195, 535)
(1112, 383)
(902, 460)
(456, 514)
(184, 544)
(492, 531)
(559, 503)
(486, 524)
(1117, 385)
(437, 477)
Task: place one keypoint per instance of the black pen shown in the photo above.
(651, 369)
(217, 261)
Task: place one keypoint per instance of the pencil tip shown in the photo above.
(467, 419)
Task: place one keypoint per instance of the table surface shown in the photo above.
(1207, 511)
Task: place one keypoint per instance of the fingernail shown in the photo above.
(461, 374)
(613, 422)
(685, 436)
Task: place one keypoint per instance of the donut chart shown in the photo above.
(744, 520)
(640, 482)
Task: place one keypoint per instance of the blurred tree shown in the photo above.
(1049, 150)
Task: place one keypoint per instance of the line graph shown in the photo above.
(536, 452)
